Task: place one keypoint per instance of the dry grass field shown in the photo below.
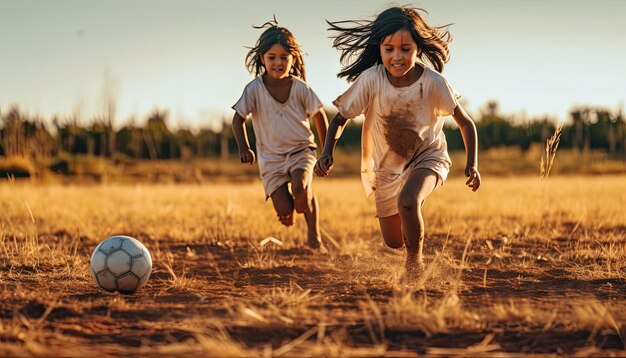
(523, 266)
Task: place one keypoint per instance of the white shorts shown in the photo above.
(276, 170)
(389, 185)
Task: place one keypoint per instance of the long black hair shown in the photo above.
(275, 35)
(362, 39)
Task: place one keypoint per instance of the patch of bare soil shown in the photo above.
(513, 295)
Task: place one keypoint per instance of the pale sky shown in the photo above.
(534, 57)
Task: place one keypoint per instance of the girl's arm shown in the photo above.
(241, 137)
(470, 139)
(335, 128)
(321, 123)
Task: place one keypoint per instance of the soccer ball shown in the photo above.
(120, 263)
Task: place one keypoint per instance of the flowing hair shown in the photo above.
(275, 35)
(361, 39)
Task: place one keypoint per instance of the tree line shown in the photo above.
(24, 135)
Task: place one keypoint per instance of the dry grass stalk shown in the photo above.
(552, 144)
(547, 161)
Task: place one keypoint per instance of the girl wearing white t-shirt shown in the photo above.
(280, 105)
(405, 102)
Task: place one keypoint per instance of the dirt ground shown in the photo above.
(500, 285)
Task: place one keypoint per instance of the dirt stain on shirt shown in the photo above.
(400, 132)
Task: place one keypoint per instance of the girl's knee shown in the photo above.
(394, 243)
(302, 198)
(298, 187)
(407, 204)
(393, 238)
(286, 219)
(391, 230)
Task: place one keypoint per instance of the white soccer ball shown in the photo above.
(120, 263)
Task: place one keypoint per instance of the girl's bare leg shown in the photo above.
(418, 186)
(283, 204)
(312, 221)
(391, 228)
(305, 202)
(300, 188)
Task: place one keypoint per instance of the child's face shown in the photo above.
(277, 62)
(399, 53)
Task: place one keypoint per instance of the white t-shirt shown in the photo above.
(401, 123)
(279, 128)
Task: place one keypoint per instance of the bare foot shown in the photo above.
(315, 242)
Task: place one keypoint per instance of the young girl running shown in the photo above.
(403, 150)
(280, 104)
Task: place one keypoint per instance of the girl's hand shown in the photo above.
(324, 165)
(247, 156)
(474, 178)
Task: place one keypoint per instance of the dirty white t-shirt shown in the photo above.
(279, 128)
(401, 123)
